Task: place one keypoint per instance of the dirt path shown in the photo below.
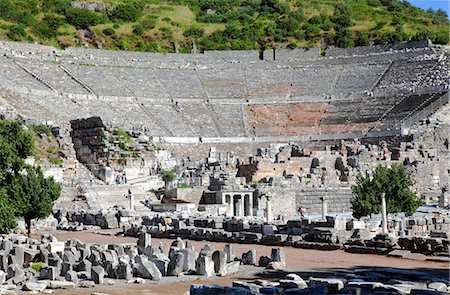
(305, 262)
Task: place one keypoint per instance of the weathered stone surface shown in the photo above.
(61, 285)
(219, 258)
(35, 287)
(249, 257)
(148, 270)
(97, 274)
(204, 266)
(176, 264)
(264, 261)
(438, 286)
(145, 240)
(87, 284)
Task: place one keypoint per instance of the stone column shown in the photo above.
(241, 206)
(269, 210)
(131, 196)
(324, 208)
(383, 214)
(250, 204)
(231, 205)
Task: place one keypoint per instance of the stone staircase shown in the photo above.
(338, 199)
(108, 196)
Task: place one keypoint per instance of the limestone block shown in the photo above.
(49, 273)
(123, 271)
(438, 286)
(87, 284)
(333, 285)
(97, 274)
(56, 247)
(176, 264)
(71, 276)
(34, 287)
(277, 255)
(249, 257)
(148, 270)
(220, 261)
(264, 261)
(145, 240)
(228, 249)
(289, 284)
(190, 257)
(231, 268)
(178, 243)
(61, 285)
(2, 277)
(204, 266)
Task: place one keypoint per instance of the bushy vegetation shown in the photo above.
(156, 25)
(24, 191)
(395, 182)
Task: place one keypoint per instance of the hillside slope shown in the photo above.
(180, 25)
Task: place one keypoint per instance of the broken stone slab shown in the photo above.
(204, 266)
(48, 273)
(254, 288)
(438, 286)
(145, 240)
(176, 264)
(214, 289)
(249, 257)
(55, 247)
(97, 274)
(228, 249)
(34, 287)
(190, 256)
(148, 270)
(139, 281)
(61, 285)
(2, 277)
(276, 265)
(231, 268)
(123, 271)
(264, 261)
(219, 258)
(290, 284)
(71, 276)
(178, 243)
(398, 253)
(314, 290)
(87, 284)
(277, 255)
(333, 285)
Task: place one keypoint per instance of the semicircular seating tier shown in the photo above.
(228, 94)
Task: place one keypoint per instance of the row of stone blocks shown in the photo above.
(75, 263)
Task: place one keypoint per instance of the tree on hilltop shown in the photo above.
(394, 182)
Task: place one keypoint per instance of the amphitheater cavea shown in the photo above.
(232, 172)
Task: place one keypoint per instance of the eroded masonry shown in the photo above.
(264, 148)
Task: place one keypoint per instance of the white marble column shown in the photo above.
(250, 205)
(383, 214)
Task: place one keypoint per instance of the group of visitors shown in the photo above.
(121, 178)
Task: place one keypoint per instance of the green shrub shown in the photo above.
(82, 18)
(194, 31)
(138, 30)
(41, 129)
(109, 31)
(126, 12)
(37, 266)
(16, 32)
